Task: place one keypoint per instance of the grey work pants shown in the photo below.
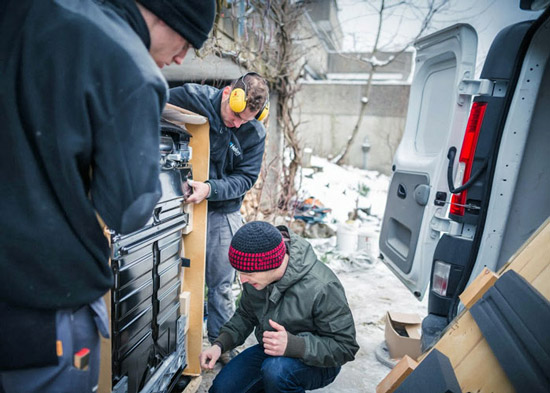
(75, 329)
(219, 273)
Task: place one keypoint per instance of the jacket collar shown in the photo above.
(128, 10)
(302, 258)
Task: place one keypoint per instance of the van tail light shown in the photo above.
(440, 279)
(466, 160)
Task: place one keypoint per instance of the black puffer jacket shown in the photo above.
(80, 103)
(235, 153)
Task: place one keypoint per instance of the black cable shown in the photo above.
(451, 156)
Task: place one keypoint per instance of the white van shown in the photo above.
(471, 176)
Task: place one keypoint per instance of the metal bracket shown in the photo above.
(121, 386)
(439, 224)
(474, 87)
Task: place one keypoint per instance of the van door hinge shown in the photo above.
(474, 87)
(439, 224)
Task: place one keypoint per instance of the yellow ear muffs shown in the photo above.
(262, 114)
(237, 100)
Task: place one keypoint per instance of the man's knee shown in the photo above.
(216, 386)
(224, 383)
(278, 371)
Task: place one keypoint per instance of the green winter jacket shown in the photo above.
(309, 301)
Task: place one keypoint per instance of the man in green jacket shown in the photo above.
(298, 309)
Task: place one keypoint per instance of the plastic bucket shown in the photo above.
(365, 239)
(346, 238)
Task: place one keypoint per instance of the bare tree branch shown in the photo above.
(433, 7)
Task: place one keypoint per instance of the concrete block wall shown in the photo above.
(328, 113)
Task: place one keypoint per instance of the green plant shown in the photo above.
(363, 189)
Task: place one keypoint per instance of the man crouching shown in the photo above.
(298, 309)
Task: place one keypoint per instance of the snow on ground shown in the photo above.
(338, 188)
(371, 288)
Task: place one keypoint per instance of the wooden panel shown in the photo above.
(480, 371)
(476, 367)
(478, 287)
(194, 385)
(195, 247)
(105, 365)
(397, 375)
(542, 282)
(532, 254)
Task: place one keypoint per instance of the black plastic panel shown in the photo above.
(456, 252)
(145, 299)
(434, 374)
(514, 319)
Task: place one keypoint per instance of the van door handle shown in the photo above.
(401, 191)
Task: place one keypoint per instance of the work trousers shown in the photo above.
(253, 371)
(76, 329)
(219, 273)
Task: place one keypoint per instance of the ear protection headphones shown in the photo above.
(237, 98)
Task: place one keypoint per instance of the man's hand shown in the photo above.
(200, 191)
(275, 342)
(210, 356)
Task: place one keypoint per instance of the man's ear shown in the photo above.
(226, 93)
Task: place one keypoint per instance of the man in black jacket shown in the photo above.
(237, 141)
(80, 102)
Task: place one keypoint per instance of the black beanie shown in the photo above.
(192, 19)
(257, 246)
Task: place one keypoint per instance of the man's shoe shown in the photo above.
(227, 356)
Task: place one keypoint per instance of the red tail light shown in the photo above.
(466, 159)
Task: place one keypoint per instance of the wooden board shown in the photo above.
(397, 375)
(106, 360)
(194, 244)
(532, 260)
(475, 366)
(105, 365)
(478, 287)
(194, 385)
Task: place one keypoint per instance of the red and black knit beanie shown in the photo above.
(257, 247)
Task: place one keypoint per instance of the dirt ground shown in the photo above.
(371, 290)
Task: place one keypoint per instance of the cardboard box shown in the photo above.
(402, 334)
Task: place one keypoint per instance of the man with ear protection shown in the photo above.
(237, 139)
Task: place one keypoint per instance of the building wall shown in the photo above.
(341, 63)
(328, 113)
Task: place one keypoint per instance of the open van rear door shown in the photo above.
(438, 111)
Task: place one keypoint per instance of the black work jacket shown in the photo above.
(235, 153)
(80, 103)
